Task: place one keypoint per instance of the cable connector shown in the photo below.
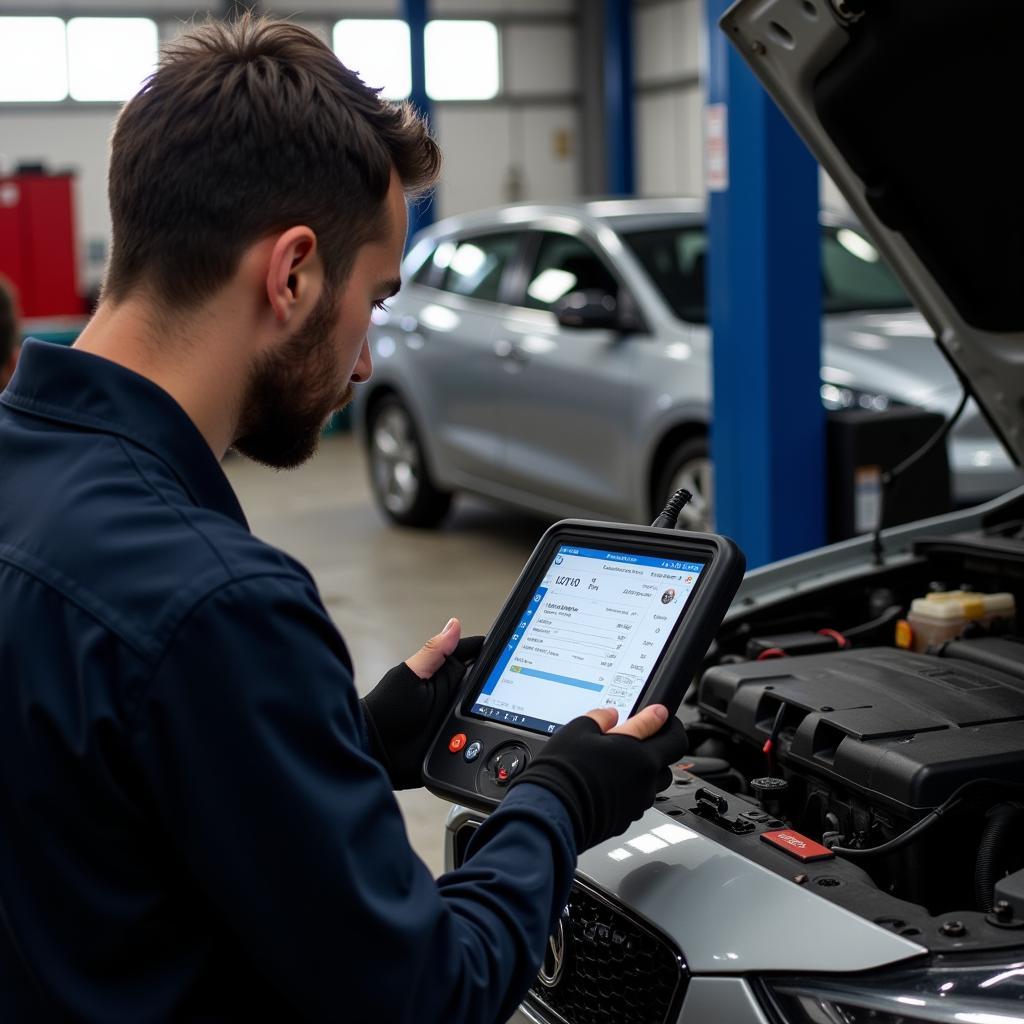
(670, 514)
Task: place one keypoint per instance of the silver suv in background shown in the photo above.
(557, 357)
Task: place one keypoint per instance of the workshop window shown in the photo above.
(33, 60)
(109, 59)
(376, 49)
(462, 60)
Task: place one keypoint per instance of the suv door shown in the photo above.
(570, 392)
(456, 376)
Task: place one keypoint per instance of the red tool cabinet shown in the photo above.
(37, 243)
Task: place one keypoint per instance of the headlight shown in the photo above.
(834, 396)
(969, 994)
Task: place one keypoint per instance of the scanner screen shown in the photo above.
(590, 635)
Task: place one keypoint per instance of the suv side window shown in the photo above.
(565, 264)
(676, 259)
(475, 266)
(429, 271)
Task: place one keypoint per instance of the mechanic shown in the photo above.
(10, 331)
(197, 818)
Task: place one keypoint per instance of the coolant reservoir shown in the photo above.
(944, 616)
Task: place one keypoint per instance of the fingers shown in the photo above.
(469, 648)
(605, 717)
(430, 657)
(670, 745)
(644, 724)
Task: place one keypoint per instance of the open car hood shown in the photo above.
(910, 106)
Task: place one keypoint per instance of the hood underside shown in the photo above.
(910, 106)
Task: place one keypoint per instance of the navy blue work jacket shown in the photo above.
(191, 826)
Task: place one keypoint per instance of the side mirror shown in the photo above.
(590, 309)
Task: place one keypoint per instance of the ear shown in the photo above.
(294, 274)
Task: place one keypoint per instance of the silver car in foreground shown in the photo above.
(557, 358)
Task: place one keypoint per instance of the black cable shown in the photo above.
(670, 513)
(918, 827)
(890, 476)
(1000, 823)
(890, 615)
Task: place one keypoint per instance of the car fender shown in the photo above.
(391, 379)
(690, 416)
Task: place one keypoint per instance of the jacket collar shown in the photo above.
(70, 386)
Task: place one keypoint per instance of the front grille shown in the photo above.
(615, 970)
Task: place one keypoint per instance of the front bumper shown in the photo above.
(726, 918)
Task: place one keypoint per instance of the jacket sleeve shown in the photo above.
(250, 738)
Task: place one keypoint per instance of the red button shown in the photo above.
(457, 742)
(503, 774)
(798, 846)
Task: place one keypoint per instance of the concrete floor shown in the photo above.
(387, 589)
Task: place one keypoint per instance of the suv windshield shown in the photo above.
(853, 275)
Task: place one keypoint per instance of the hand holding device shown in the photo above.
(604, 614)
(406, 708)
(608, 777)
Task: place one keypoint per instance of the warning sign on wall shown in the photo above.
(716, 147)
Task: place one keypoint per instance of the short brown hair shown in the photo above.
(248, 127)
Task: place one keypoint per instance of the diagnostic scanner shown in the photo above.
(603, 615)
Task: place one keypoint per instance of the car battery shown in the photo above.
(862, 445)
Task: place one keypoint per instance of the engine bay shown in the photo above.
(816, 714)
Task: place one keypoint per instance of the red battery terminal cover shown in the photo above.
(798, 846)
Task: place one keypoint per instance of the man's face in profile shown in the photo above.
(294, 389)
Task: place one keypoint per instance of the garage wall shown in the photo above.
(667, 37)
(669, 53)
(524, 144)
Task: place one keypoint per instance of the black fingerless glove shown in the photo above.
(404, 712)
(605, 780)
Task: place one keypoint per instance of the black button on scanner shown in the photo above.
(508, 764)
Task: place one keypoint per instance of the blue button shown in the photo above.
(473, 750)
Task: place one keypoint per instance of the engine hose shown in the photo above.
(999, 825)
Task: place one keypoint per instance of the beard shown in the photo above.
(292, 393)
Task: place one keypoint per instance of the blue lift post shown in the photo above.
(618, 95)
(764, 299)
(421, 212)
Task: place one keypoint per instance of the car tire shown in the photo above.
(401, 481)
(689, 466)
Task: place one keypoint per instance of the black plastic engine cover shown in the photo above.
(901, 729)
